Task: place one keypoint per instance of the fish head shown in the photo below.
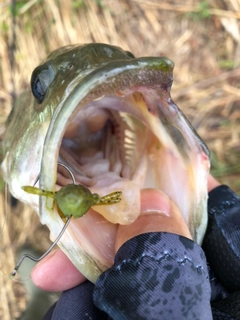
(108, 117)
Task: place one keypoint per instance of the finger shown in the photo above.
(56, 273)
(212, 183)
(158, 214)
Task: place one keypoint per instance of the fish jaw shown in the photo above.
(168, 155)
(191, 159)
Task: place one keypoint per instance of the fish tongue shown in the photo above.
(128, 209)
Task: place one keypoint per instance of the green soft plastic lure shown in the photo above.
(74, 200)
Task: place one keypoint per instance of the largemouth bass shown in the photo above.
(110, 118)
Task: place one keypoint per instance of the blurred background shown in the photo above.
(201, 37)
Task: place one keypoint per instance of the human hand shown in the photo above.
(158, 213)
(212, 183)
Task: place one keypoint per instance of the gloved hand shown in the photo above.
(222, 248)
(159, 275)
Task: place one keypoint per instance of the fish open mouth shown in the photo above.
(118, 130)
(108, 150)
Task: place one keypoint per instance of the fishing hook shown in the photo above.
(13, 273)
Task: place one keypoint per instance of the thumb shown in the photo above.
(158, 214)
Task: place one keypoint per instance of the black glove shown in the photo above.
(222, 248)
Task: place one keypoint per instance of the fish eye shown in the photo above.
(40, 81)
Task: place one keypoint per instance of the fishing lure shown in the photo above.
(73, 200)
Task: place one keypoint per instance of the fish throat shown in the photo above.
(101, 141)
(108, 149)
